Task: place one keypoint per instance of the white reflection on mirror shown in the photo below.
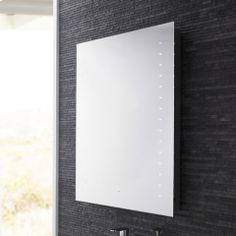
(125, 120)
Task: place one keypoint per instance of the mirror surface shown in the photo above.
(125, 120)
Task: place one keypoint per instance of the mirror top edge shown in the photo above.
(160, 26)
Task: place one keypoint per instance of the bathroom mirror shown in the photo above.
(125, 120)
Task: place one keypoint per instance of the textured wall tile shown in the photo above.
(208, 150)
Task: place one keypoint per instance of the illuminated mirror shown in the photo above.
(125, 121)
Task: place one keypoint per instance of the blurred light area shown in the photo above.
(26, 61)
(26, 22)
(26, 119)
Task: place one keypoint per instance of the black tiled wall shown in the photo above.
(208, 99)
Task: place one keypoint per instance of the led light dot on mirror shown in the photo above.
(160, 53)
(160, 42)
(160, 108)
(160, 97)
(160, 75)
(160, 86)
(160, 64)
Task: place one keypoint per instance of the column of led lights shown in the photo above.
(160, 130)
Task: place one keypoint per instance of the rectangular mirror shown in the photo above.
(125, 121)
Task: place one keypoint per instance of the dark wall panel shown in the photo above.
(208, 99)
